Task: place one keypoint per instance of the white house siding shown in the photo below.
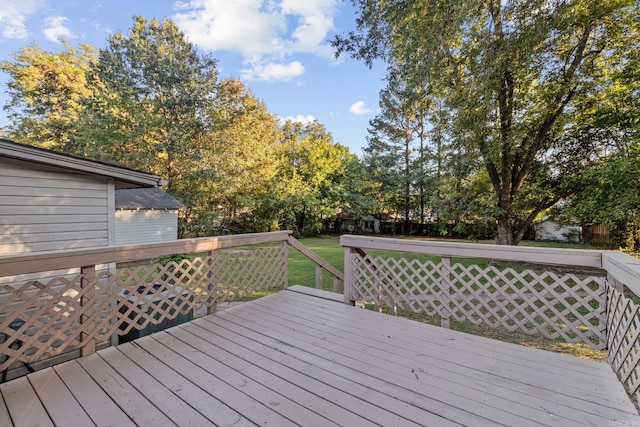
(146, 226)
(42, 209)
(46, 209)
(552, 231)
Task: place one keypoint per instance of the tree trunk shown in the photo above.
(505, 224)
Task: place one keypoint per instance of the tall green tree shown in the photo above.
(391, 151)
(310, 163)
(242, 156)
(611, 189)
(150, 92)
(514, 73)
(46, 92)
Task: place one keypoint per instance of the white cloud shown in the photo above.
(264, 32)
(273, 72)
(55, 29)
(13, 15)
(305, 120)
(359, 109)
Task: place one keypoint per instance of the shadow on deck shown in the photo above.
(298, 357)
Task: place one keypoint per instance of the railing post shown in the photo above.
(445, 291)
(284, 244)
(87, 304)
(212, 283)
(348, 276)
(318, 277)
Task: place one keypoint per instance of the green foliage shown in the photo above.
(151, 89)
(46, 92)
(515, 76)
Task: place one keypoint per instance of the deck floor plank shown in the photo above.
(451, 342)
(452, 366)
(184, 364)
(23, 404)
(215, 411)
(505, 352)
(306, 359)
(370, 360)
(160, 396)
(260, 392)
(278, 384)
(367, 403)
(389, 382)
(58, 401)
(135, 405)
(363, 388)
(5, 418)
(98, 405)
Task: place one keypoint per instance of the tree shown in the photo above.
(391, 153)
(611, 189)
(150, 94)
(311, 162)
(513, 73)
(241, 157)
(46, 93)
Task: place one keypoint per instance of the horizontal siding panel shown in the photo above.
(28, 238)
(7, 249)
(38, 190)
(30, 172)
(54, 219)
(16, 229)
(29, 202)
(43, 209)
(82, 183)
(52, 210)
(145, 226)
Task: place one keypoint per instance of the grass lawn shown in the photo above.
(302, 272)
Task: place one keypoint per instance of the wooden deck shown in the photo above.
(304, 359)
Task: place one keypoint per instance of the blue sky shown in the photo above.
(278, 48)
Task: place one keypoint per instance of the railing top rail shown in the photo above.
(11, 265)
(624, 268)
(315, 258)
(553, 256)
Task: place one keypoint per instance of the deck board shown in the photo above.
(305, 359)
(465, 404)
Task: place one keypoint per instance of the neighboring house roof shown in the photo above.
(28, 153)
(145, 198)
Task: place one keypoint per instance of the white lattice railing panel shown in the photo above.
(406, 284)
(37, 319)
(623, 324)
(564, 307)
(556, 306)
(240, 273)
(41, 320)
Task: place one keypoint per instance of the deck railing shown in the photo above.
(577, 296)
(97, 295)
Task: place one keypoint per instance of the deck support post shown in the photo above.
(87, 283)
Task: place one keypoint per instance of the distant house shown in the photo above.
(145, 215)
(549, 230)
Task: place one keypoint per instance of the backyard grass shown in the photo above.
(302, 272)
